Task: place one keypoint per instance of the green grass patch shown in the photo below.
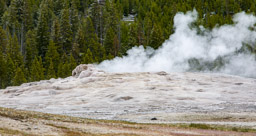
(200, 126)
(6, 131)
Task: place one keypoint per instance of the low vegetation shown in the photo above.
(12, 122)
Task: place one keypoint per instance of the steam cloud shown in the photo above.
(187, 44)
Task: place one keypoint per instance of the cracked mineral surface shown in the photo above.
(139, 97)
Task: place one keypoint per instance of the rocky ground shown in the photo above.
(149, 97)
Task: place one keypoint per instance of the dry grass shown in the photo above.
(73, 126)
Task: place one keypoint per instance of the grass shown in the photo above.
(215, 127)
(200, 126)
(8, 131)
(20, 115)
(70, 132)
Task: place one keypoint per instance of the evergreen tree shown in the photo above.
(34, 73)
(66, 32)
(132, 39)
(52, 55)
(156, 37)
(31, 49)
(43, 35)
(92, 41)
(72, 63)
(58, 6)
(109, 41)
(19, 77)
(13, 50)
(51, 71)
(80, 36)
(88, 58)
(3, 40)
(41, 69)
(90, 35)
(37, 70)
(11, 71)
(115, 46)
(76, 52)
(126, 7)
(2, 8)
(124, 38)
(3, 70)
(60, 71)
(56, 36)
(74, 16)
(66, 70)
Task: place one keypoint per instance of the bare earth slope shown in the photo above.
(139, 97)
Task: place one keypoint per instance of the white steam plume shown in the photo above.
(186, 44)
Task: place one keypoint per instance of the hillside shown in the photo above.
(43, 39)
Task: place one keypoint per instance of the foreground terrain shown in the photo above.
(149, 97)
(27, 123)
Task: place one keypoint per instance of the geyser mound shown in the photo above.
(93, 93)
(195, 49)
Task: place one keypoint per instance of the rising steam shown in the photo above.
(195, 49)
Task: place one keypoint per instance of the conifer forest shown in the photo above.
(44, 39)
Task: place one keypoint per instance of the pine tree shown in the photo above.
(126, 7)
(115, 46)
(43, 35)
(56, 36)
(58, 6)
(88, 58)
(27, 16)
(41, 69)
(80, 36)
(74, 16)
(37, 70)
(14, 51)
(147, 29)
(76, 51)
(51, 71)
(11, 71)
(13, 17)
(3, 40)
(19, 77)
(66, 70)
(60, 72)
(31, 49)
(34, 73)
(92, 41)
(72, 63)
(3, 70)
(2, 8)
(52, 55)
(124, 38)
(90, 35)
(64, 67)
(132, 39)
(66, 32)
(156, 37)
(108, 43)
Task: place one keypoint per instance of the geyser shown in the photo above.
(213, 50)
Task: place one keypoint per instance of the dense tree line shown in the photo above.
(43, 39)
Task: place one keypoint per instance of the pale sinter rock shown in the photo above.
(86, 70)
